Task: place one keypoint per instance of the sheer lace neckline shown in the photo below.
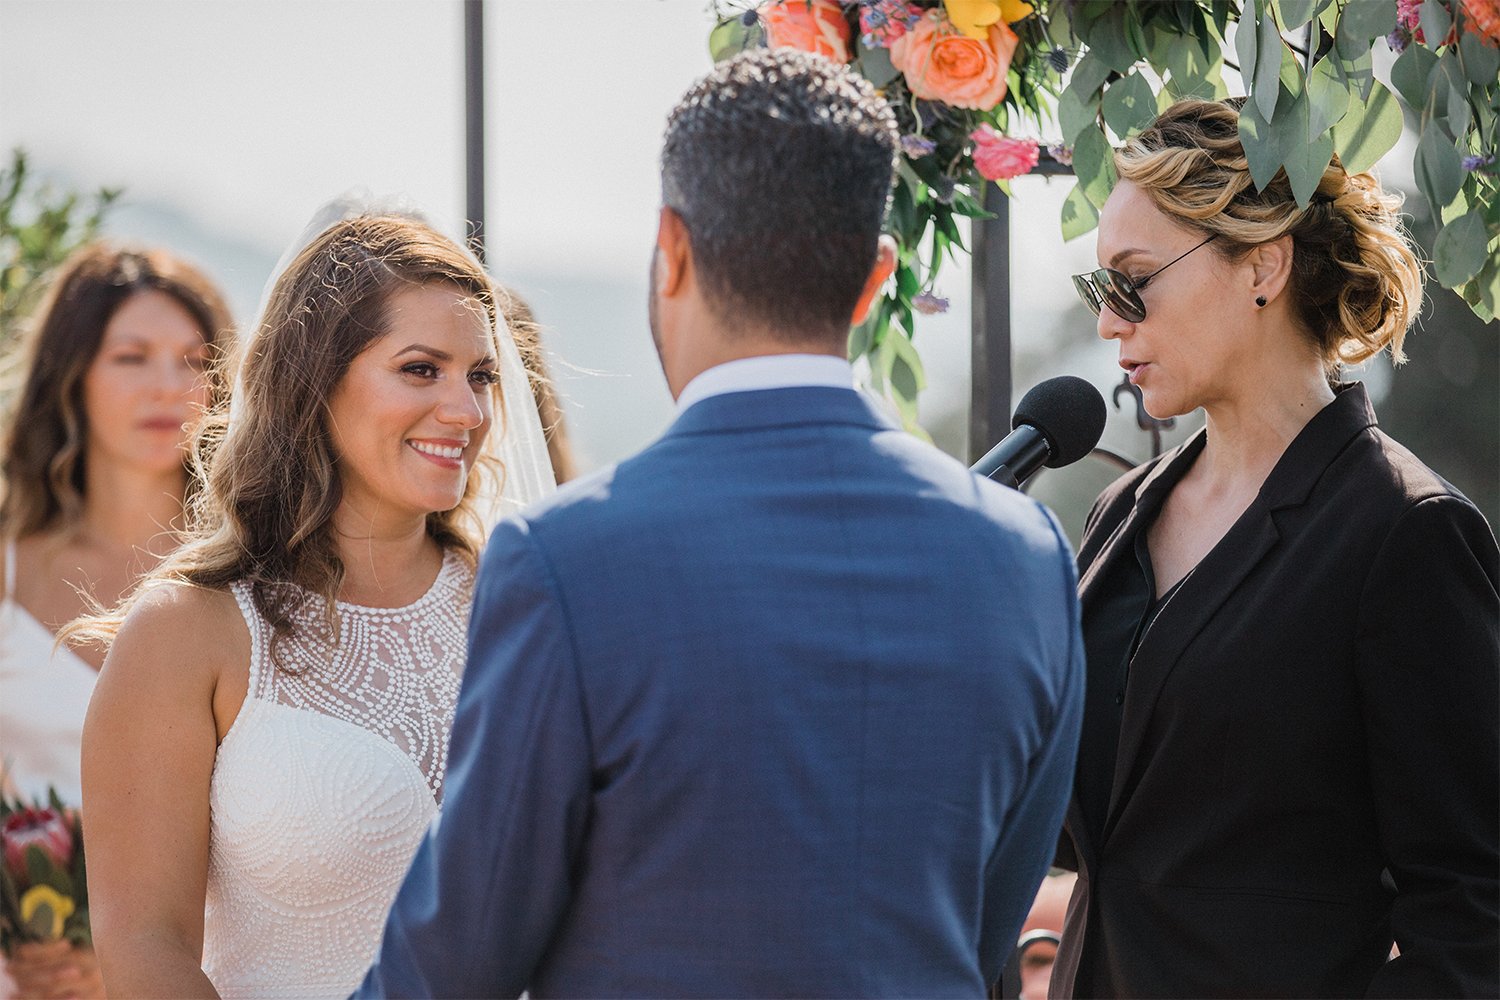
(453, 563)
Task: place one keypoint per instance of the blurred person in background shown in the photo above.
(1289, 754)
(112, 372)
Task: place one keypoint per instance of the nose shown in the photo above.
(176, 376)
(1110, 326)
(462, 407)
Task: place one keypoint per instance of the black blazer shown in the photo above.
(1307, 763)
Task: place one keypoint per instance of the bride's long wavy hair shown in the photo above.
(266, 457)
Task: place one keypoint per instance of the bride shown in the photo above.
(266, 744)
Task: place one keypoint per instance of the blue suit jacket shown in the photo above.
(787, 704)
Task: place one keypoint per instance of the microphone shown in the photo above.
(1058, 422)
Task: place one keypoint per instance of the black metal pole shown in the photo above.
(474, 123)
(990, 361)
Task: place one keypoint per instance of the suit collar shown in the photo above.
(787, 407)
(1183, 616)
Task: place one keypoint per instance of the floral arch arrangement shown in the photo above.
(985, 89)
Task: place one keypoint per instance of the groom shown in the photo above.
(786, 704)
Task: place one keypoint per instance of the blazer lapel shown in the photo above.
(1220, 573)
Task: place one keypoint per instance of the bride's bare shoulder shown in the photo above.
(180, 623)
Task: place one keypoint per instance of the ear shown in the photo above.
(1270, 268)
(674, 254)
(885, 264)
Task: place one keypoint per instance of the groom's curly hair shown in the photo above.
(780, 164)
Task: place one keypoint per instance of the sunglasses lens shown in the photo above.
(1088, 292)
(1120, 295)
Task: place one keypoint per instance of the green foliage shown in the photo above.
(39, 227)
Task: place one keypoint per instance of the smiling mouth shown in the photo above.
(448, 456)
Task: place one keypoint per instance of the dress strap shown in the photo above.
(259, 639)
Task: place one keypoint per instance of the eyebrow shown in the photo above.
(1127, 252)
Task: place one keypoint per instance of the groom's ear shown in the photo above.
(885, 264)
(674, 254)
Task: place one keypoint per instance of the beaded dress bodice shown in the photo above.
(324, 785)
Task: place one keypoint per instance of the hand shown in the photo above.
(55, 970)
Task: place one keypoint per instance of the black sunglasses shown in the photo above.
(1108, 287)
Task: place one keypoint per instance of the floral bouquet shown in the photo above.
(43, 892)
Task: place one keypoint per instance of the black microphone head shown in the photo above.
(1069, 412)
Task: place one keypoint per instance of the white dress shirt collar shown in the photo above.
(771, 371)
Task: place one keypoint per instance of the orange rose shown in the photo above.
(943, 64)
(810, 25)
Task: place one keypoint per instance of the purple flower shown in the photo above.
(929, 304)
(1062, 154)
(916, 147)
(1398, 40)
(1472, 163)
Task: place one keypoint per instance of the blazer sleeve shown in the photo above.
(1428, 659)
(491, 880)
(1031, 829)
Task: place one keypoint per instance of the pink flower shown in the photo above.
(810, 25)
(45, 829)
(941, 63)
(999, 157)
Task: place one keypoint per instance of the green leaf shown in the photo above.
(1246, 44)
(1327, 97)
(875, 66)
(1307, 160)
(1075, 114)
(1410, 73)
(732, 36)
(1094, 163)
(1267, 146)
(1460, 249)
(1079, 215)
(1269, 54)
(1192, 72)
(1435, 21)
(1363, 21)
(1109, 39)
(1368, 131)
(1089, 75)
(1296, 13)
(1440, 170)
(1481, 63)
(1129, 105)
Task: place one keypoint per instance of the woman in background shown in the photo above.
(1289, 754)
(94, 479)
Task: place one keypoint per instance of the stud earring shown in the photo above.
(1260, 300)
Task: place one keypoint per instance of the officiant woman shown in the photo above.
(1289, 755)
(111, 373)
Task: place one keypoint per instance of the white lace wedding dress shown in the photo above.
(324, 786)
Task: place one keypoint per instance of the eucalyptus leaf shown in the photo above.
(1267, 146)
(1327, 97)
(1306, 161)
(1459, 252)
(1088, 75)
(1129, 105)
(1108, 39)
(1296, 13)
(862, 337)
(1290, 74)
(875, 66)
(1481, 63)
(1410, 73)
(1093, 162)
(1245, 44)
(1074, 114)
(1440, 172)
(1268, 62)
(1457, 112)
(1191, 70)
(1435, 21)
(1368, 130)
(1079, 215)
(1366, 20)
(729, 38)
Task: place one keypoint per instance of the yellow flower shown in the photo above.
(60, 908)
(974, 17)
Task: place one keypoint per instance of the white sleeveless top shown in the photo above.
(324, 785)
(44, 696)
